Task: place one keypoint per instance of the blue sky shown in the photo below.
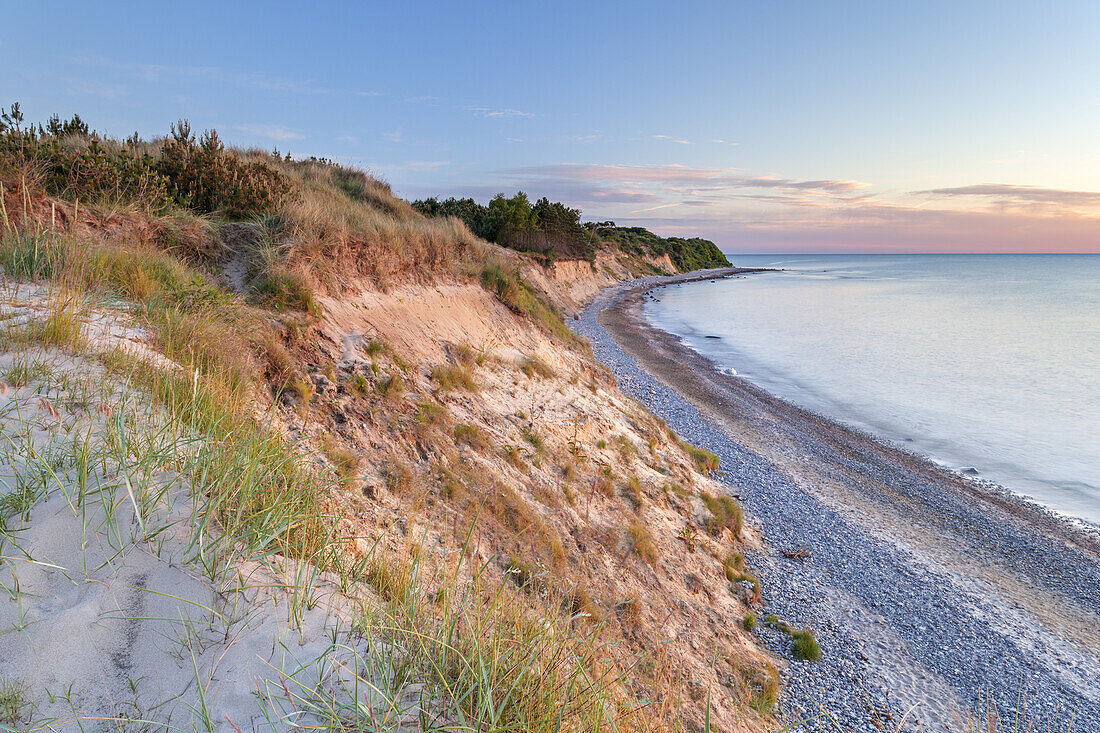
(766, 126)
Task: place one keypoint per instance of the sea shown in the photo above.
(986, 364)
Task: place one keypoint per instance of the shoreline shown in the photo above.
(976, 478)
(903, 552)
(1086, 531)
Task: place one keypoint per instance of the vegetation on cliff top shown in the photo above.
(546, 228)
(693, 253)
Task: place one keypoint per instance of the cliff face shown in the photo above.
(457, 444)
(579, 499)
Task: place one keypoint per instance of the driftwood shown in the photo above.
(801, 553)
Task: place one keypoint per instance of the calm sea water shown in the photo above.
(989, 362)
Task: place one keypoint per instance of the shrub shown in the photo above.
(359, 385)
(581, 604)
(704, 460)
(633, 492)
(74, 162)
(525, 576)
(397, 476)
(514, 293)
(205, 177)
(761, 683)
(532, 437)
(431, 413)
(733, 564)
(803, 644)
(749, 621)
(287, 290)
(391, 385)
(344, 461)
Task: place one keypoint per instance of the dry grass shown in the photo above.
(472, 436)
(642, 541)
(341, 223)
(453, 377)
(533, 367)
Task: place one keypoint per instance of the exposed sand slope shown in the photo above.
(561, 467)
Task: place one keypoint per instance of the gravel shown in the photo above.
(913, 636)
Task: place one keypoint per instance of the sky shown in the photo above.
(767, 126)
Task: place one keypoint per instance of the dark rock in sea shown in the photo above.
(712, 337)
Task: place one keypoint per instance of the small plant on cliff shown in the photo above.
(453, 377)
(704, 460)
(804, 646)
(642, 541)
(533, 366)
(471, 435)
(724, 513)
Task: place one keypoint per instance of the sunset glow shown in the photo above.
(766, 127)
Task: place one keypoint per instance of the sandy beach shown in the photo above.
(932, 594)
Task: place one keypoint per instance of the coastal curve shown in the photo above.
(933, 595)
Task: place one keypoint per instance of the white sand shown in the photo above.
(107, 620)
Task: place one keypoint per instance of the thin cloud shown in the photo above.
(671, 139)
(493, 112)
(271, 132)
(654, 208)
(1019, 194)
(672, 175)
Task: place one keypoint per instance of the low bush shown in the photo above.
(521, 299)
(704, 460)
(71, 161)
